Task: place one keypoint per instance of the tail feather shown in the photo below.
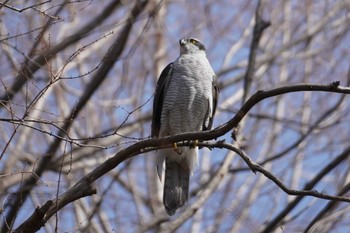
(176, 185)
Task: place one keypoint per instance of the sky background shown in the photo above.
(307, 42)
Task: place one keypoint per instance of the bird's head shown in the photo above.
(191, 45)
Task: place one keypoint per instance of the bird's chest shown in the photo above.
(193, 75)
(188, 96)
(192, 80)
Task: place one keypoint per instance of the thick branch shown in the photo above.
(157, 143)
(34, 222)
(51, 207)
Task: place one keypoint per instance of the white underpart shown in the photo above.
(186, 103)
(190, 154)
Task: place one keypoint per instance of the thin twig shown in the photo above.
(17, 199)
(259, 27)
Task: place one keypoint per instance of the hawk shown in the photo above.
(185, 101)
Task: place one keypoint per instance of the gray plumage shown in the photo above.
(185, 101)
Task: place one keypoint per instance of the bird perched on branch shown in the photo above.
(185, 101)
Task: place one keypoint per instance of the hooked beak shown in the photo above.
(182, 42)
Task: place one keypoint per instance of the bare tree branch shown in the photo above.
(65, 123)
(340, 158)
(259, 26)
(301, 138)
(327, 208)
(34, 63)
(18, 198)
(79, 189)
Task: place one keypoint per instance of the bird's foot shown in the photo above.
(194, 144)
(176, 149)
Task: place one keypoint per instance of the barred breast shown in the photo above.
(188, 96)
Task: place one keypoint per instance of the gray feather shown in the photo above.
(185, 101)
(176, 185)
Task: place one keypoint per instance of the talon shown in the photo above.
(176, 149)
(175, 145)
(195, 143)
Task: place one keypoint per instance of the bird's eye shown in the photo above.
(193, 41)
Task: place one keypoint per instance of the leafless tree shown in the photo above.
(76, 89)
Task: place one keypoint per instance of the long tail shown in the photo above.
(176, 185)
